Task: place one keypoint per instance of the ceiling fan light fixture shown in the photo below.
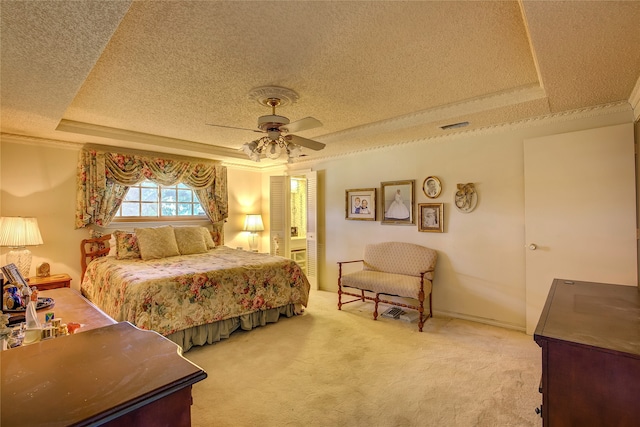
(273, 150)
(249, 147)
(274, 134)
(277, 128)
(255, 157)
(293, 150)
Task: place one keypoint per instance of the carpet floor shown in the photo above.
(341, 368)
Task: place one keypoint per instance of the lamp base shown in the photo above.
(21, 257)
(253, 242)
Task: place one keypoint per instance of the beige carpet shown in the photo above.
(341, 368)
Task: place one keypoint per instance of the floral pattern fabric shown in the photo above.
(172, 294)
(126, 245)
(103, 179)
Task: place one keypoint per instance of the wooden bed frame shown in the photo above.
(91, 249)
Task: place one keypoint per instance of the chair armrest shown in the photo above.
(340, 268)
(347, 262)
(431, 270)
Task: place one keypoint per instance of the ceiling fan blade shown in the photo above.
(233, 127)
(304, 142)
(300, 125)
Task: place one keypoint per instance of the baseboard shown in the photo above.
(479, 319)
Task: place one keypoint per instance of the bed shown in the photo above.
(191, 298)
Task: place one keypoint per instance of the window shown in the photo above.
(150, 201)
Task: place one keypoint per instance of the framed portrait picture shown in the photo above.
(12, 275)
(431, 187)
(431, 217)
(360, 204)
(397, 202)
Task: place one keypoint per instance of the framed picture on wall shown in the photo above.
(397, 202)
(431, 187)
(431, 217)
(360, 204)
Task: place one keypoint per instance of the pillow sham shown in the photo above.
(126, 245)
(208, 240)
(157, 242)
(190, 240)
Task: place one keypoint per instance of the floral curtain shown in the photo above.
(103, 179)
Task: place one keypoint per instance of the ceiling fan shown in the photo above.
(278, 129)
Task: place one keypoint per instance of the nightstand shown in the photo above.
(50, 282)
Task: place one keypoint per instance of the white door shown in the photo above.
(280, 220)
(312, 228)
(279, 216)
(580, 211)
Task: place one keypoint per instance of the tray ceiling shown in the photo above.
(151, 75)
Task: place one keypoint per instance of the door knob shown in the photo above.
(532, 246)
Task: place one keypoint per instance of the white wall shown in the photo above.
(40, 181)
(481, 267)
(245, 197)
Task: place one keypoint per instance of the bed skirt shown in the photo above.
(214, 332)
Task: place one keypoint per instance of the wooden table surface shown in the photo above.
(71, 306)
(104, 372)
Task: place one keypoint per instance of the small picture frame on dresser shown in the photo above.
(12, 275)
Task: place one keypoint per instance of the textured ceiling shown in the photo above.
(151, 74)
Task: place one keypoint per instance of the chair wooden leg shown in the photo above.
(339, 286)
(375, 309)
(421, 310)
(362, 294)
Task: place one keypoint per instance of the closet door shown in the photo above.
(312, 228)
(580, 211)
(279, 216)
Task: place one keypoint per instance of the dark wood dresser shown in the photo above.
(590, 339)
(107, 374)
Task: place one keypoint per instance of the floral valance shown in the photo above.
(104, 177)
(128, 169)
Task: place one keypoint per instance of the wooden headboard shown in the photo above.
(91, 249)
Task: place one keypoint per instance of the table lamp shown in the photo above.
(253, 224)
(17, 233)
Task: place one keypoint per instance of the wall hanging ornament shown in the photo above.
(466, 198)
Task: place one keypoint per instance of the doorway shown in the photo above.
(293, 220)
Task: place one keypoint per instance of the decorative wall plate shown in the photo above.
(466, 198)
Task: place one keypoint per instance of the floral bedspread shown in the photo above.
(171, 294)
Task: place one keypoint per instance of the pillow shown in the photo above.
(112, 245)
(190, 240)
(126, 245)
(157, 242)
(208, 240)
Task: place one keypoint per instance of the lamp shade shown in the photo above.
(18, 232)
(253, 223)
